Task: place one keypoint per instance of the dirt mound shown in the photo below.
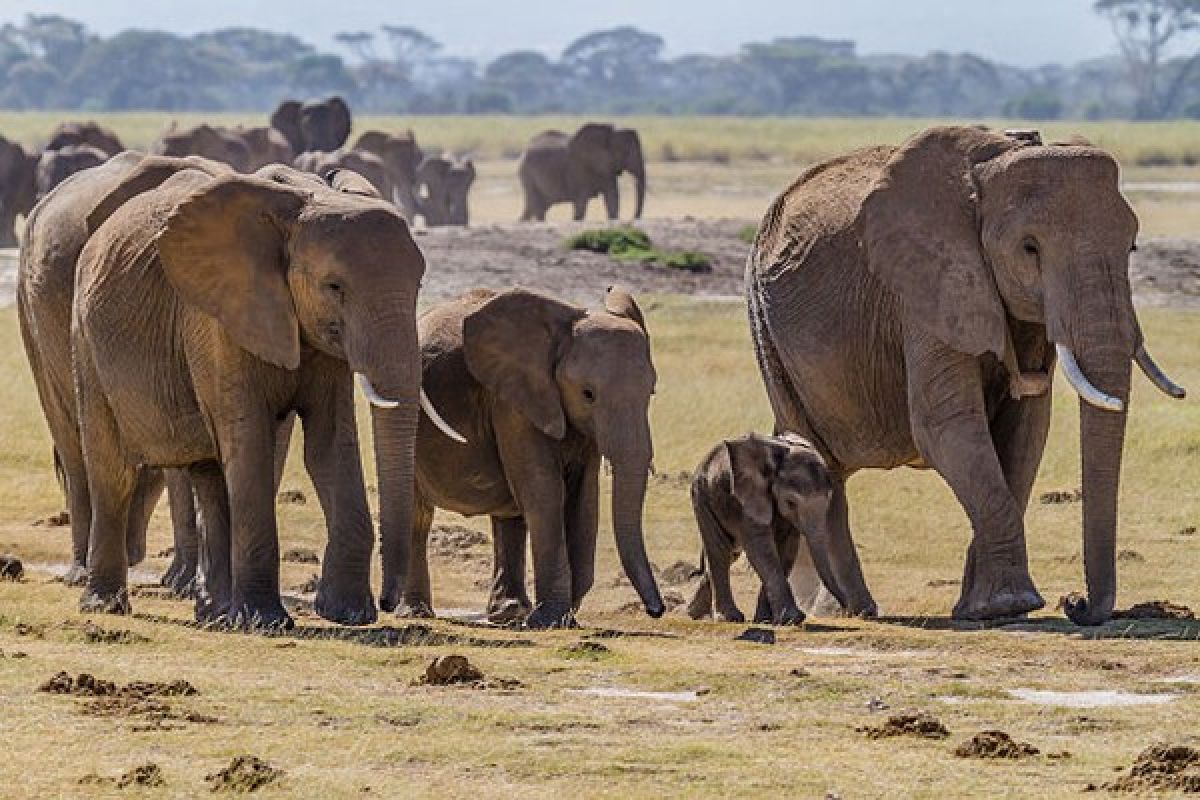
(680, 573)
(59, 520)
(291, 497)
(85, 685)
(149, 775)
(994, 744)
(456, 670)
(1162, 767)
(11, 568)
(1155, 609)
(451, 538)
(921, 723)
(244, 774)
(94, 634)
(1059, 497)
(301, 555)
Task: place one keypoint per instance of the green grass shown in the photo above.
(625, 243)
(340, 717)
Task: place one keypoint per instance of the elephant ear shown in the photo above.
(618, 300)
(340, 118)
(150, 173)
(751, 464)
(223, 249)
(512, 346)
(920, 229)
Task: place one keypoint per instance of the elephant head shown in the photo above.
(286, 119)
(599, 152)
(590, 373)
(85, 133)
(325, 124)
(18, 187)
(401, 157)
(973, 229)
(55, 166)
(447, 183)
(206, 141)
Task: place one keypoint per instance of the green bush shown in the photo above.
(630, 244)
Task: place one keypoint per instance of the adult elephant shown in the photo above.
(207, 309)
(543, 390)
(367, 165)
(68, 134)
(325, 124)
(265, 146)
(401, 156)
(446, 182)
(55, 166)
(557, 168)
(216, 144)
(907, 305)
(286, 119)
(18, 188)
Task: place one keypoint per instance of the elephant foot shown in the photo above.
(551, 615)
(95, 601)
(180, 578)
(259, 614)
(210, 610)
(729, 615)
(416, 609)
(77, 575)
(700, 606)
(135, 549)
(997, 594)
(1083, 612)
(507, 611)
(392, 594)
(345, 606)
(865, 609)
(790, 616)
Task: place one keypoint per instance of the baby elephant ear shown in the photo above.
(750, 467)
(618, 300)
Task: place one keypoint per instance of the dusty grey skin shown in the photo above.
(366, 164)
(55, 166)
(401, 156)
(446, 182)
(18, 188)
(765, 495)
(217, 144)
(55, 235)
(906, 304)
(557, 168)
(265, 146)
(68, 134)
(253, 297)
(542, 390)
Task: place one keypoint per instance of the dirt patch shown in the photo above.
(1162, 767)
(1156, 609)
(456, 670)
(301, 555)
(291, 497)
(309, 586)
(244, 774)
(680, 572)
(921, 724)
(94, 634)
(11, 568)
(994, 744)
(1060, 497)
(457, 542)
(59, 520)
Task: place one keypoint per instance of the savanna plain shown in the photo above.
(627, 706)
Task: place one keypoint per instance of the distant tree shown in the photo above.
(616, 64)
(1144, 30)
(529, 79)
(361, 43)
(1039, 104)
(409, 45)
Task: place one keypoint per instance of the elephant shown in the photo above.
(67, 134)
(322, 125)
(557, 168)
(266, 146)
(447, 182)
(763, 495)
(367, 165)
(217, 144)
(908, 305)
(286, 119)
(18, 188)
(208, 307)
(543, 390)
(401, 156)
(55, 166)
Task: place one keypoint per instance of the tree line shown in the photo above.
(51, 62)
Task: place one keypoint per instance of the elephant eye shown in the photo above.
(589, 395)
(333, 286)
(1030, 247)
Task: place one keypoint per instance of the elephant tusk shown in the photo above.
(437, 420)
(1079, 382)
(373, 396)
(1157, 376)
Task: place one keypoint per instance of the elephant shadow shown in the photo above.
(1159, 629)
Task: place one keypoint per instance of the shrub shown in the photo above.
(630, 244)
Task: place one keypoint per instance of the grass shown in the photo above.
(340, 717)
(626, 243)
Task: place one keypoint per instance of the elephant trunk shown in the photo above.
(631, 460)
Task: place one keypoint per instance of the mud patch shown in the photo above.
(244, 774)
(59, 520)
(920, 724)
(994, 744)
(457, 670)
(301, 555)
(1060, 497)
(1162, 768)
(11, 568)
(1095, 699)
(1156, 609)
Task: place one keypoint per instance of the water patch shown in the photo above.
(1102, 698)
(638, 694)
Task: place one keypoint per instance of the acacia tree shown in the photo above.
(1144, 30)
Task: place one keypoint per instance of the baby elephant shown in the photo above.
(762, 494)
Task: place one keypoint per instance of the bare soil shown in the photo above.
(994, 744)
(921, 724)
(244, 774)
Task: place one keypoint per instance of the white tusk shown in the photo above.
(1079, 382)
(373, 396)
(437, 420)
(1157, 376)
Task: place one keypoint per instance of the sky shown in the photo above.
(1027, 33)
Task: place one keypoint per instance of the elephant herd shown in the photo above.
(907, 306)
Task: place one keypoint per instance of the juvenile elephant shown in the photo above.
(557, 168)
(207, 309)
(763, 495)
(265, 146)
(18, 188)
(907, 304)
(401, 156)
(542, 390)
(367, 165)
(55, 166)
(322, 125)
(447, 182)
(216, 144)
(69, 134)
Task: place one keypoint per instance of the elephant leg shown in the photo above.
(763, 554)
(951, 431)
(331, 457)
(214, 579)
(580, 204)
(283, 441)
(508, 601)
(582, 522)
(719, 554)
(700, 606)
(79, 506)
(612, 199)
(180, 576)
(418, 588)
(146, 493)
(787, 540)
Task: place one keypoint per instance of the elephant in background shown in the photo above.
(543, 390)
(18, 188)
(265, 146)
(69, 134)
(367, 165)
(908, 305)
(254, 296)
(557, 168)
(55, 166)
(216, 144)
(314, 125)
(447, 182)
(401, 156)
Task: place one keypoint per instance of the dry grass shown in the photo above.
(339, 716)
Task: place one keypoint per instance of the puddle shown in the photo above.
(1096, 699)
(637, 694)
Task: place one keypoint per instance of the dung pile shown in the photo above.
(920, 723)
(1162, 768)
(994, 744)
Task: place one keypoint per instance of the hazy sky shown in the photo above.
(1025, 32)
